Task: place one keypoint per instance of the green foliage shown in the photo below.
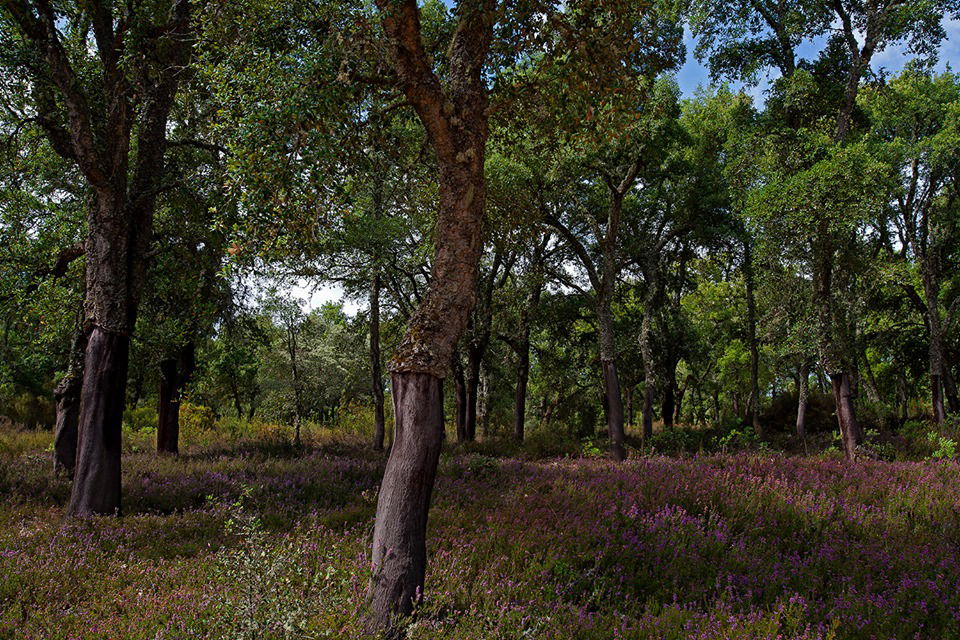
(943, 448)
(141, 419)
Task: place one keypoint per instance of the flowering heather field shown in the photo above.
(254, 541)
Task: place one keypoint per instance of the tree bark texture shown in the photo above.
(96, 483)
(803, 399)
(454, 115)
(846, 416)
(67, 399)
(399, 537)
(174, 375)
(753, 407)
(376, 374)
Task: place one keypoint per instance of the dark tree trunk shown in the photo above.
(96, 483)
(520, 394)
(67, 398)
(376, 375)
(483, 403)
(646, 349)
(522, 346)
(472, 395)
(629, 395)
(680, 396)
(399, 548)
(753, 405)
(168, 414)
(902, 397)
(460, 400)
(846, 415)
(950, 390)
(174, 375)
(803, 393)
(931, 287)
(614, 410)
(611, 382)
(454, 115)
(669, 404)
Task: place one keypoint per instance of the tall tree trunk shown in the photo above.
(474, 360)
(646, 349)
(803, 393)
(669, 404)
(873, 391)
(838, 368)
(931, 289)
(846, 416)
(460, 400)
(399, 550)
(483, 403)
(96, 483)
(680, 397)
(168, 411)
(520, 394)
(611, 382)
(174, 375)
(753, 406)
(376, 375)
(950, 390)
(67, 398)
(454, 115)
(522, 346)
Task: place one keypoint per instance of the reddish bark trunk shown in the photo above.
(454, 115)
(846, 414)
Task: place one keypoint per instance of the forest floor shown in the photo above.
(252, 539)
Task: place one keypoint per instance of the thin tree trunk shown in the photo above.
(168, 413)
(931, 293)
(520, 394)
(680, 396)
(669, 404)
(474, 360)
(753, 406)
(803, 393)
(646, 349)
(873, 390)
(460, 400)
(611, 382)
(950, 390)
(376, 375)
(483, 403)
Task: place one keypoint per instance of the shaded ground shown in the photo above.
(255, 540)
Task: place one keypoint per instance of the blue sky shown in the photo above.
(690, 76)
(693, 74)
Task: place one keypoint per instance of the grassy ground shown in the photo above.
(255, 539)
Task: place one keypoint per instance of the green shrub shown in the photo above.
(140, 419)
